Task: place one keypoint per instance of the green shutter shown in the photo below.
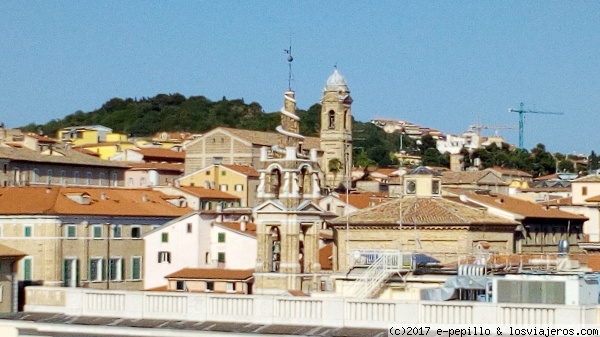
(165, 237)
(27, 270)
(66, 272)
(135, 268)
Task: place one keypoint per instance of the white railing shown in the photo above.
(381, 265)
(325, 311)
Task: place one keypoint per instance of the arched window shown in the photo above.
(331, 119)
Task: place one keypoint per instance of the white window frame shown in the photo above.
(75, 177)
(101, 178)
(100, 275)
(88, 178)
(139, 228)
(223, 187)
(49, 174)
(30, 231)
(114, 179)
(35, 175)
(239, 187)
(67, 228)
(116, 231)
(118, 262)
(94, 232)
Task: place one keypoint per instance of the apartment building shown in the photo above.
(82, 236)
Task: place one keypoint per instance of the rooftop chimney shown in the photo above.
(103, 196)
(144, 197)
(243, 224)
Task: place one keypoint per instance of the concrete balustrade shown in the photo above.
(322, 311)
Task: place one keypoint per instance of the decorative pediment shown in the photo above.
(309, 206)
(270, 206)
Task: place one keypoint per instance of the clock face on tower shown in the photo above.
(411, 187)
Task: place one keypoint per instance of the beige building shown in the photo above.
(63, 167)
(420, 221)
(238, 180)
(76, 236)
(232, 146)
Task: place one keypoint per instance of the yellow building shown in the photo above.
(105, 150)
(95, 138)
(238, 180)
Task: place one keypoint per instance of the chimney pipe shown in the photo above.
(243, 224)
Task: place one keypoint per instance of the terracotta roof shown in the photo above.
(546, 177)
(235, 226)
(212, 274)
(593, 199)
(158, 153)
(86, 152)
(512, 172)
(43, 139)
(465, 177)
(545, 189)
(364, 200)
(156, 166)
(592, 178)
(386, 171)
(568, 201)
(522, 207)
(269, 138)
(6, 251)
(58, 201)
(243, 169)
(64, 156)
(325, 257)
(423, 211)
(202, 192)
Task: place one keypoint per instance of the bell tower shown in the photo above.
(336, 131)
(288, 220)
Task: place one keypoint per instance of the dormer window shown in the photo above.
(435, 187)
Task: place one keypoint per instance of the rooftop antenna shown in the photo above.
(289, 59)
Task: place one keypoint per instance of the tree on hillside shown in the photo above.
(543, 161)
(566, 165)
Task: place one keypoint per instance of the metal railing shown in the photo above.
(381, 264)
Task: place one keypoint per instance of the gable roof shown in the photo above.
(422, 211)
(469, 177)
(524, 208)
(592, 178)
(243, 169)
(151, 153)
(267, 138)
(212, 274)
(511, 172)
(55, 200)
(202, 192)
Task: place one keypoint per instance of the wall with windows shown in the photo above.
(17, 173)
(181, 243)
(105, 253)
(232, 249)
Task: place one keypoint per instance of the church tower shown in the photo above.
(288, 220)
(336, 131)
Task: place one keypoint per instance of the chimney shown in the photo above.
(144, 197)
(48, 189)
(243, 224)
(103, 196)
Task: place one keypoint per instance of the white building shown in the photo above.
(197, 240)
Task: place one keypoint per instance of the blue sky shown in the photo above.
(441, 64)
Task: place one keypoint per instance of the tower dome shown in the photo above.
(336, 81)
